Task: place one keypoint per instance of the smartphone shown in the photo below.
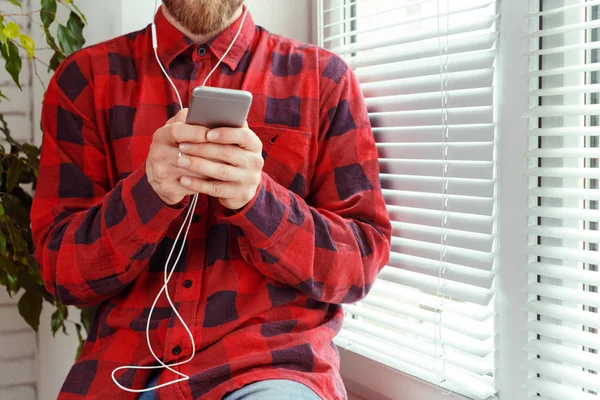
(219, 108)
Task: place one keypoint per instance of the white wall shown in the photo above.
(109, 18)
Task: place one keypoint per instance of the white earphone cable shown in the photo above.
(186, 224)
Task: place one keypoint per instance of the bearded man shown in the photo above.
(290, 221)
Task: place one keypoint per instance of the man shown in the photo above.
(290, 221)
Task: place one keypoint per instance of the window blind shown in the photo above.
(563, 339)
(427, 71)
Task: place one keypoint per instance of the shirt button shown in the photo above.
(176, 350)
(201, 51)
(187, 284)
(196, 218)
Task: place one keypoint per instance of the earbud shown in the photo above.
(185, 225)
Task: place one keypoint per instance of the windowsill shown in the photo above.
(366, 379)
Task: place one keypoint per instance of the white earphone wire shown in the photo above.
(186, 224)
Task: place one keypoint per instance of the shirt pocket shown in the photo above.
(288, 156)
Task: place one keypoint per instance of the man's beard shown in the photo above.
(202, 17)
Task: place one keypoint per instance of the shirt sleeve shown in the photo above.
(92, 237)
(333, 244)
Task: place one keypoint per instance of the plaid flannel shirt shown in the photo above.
(260, 289)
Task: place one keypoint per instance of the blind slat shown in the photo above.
(427, 101)
(480, 24)
(431, 201)
(474, 79)
(426, 134)
(567, 375)
(565, 334)
(566, 131)
(411, 296)
(565, 233)
(563, 253)
(458, 187)
(461, 62)
(565, 193)
(565, 213)
(557, 390)
(478, 365)
(468, 258)
(467, 240)
(561, 272)
(415, 52)
(400, 24)
(425, 330)
(569, 355)
(577, 296)
(456, 221)
(430, 284)
(565, 152)
(590, 173)
(563, 313)
(566, 29)
(435, 151)
(456, 323)
(434, 168)
(453, 272)
(570, 7)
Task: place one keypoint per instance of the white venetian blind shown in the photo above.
(427, 71)
(563, 339)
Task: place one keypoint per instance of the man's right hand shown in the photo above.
(163, 173)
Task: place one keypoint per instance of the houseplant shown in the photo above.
(19, 162)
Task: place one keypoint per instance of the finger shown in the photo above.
(181, 116)
(179, 132)
(221, 190)
(242, 137)
(228, 153)
(212, 169)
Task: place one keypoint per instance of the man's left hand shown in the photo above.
(232, 157)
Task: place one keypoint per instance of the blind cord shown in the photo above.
(442, 283)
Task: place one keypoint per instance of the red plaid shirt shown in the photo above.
(261, 289)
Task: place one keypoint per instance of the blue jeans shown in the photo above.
(273, 389)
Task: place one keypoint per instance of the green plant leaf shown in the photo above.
(48, 12)
(58, 319)
(55, 61)
(16, 3)
(13, 175)
(50, 40)
(11, 30)
(30, 308)
(7, 265)
(75, 26)
(13, 66)
(28, 44)
(66, 40)
(2, 242)
(19, 214)
(87, 316)
(81, 341)
(3, 38)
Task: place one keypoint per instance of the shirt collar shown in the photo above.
(172, 42)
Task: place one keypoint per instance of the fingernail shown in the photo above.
(185, 181)
(183, 162)
(212, 135)
(185, 147)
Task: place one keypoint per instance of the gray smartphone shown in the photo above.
(219, 108)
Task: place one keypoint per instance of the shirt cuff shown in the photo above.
(148, 207)
(263, 218)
